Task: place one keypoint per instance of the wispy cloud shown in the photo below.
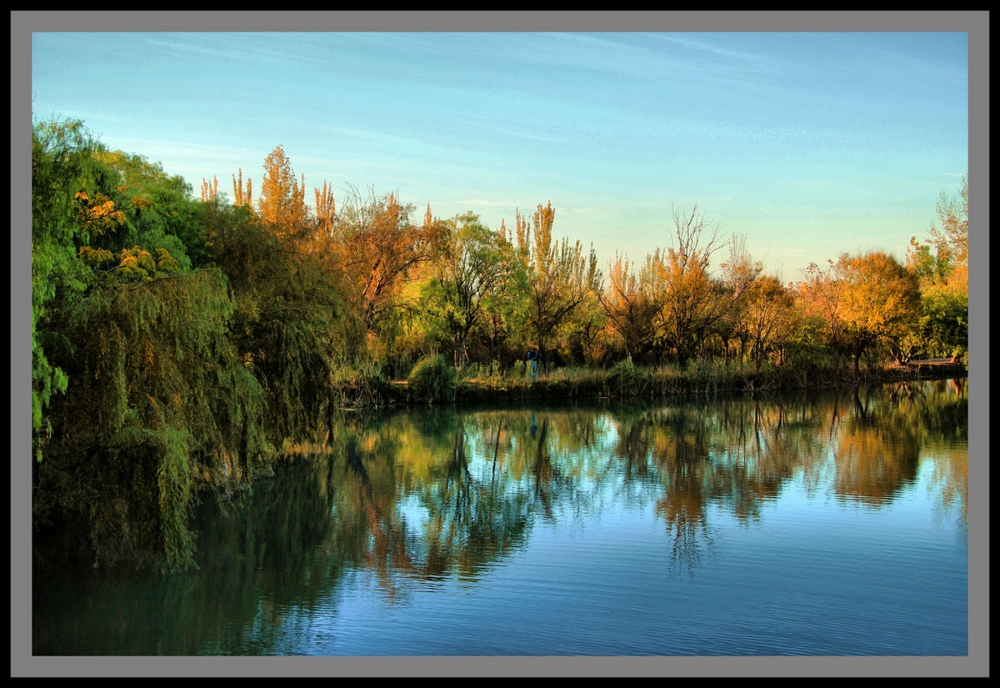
(533, 137)
(229, 53)
(736, 55)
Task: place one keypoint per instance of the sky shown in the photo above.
(807, 144)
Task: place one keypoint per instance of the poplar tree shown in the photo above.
(559, 275)
(282, 200)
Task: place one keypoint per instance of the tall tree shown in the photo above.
(282, 199)
(739, 275)
(326, 210)
(379, 249)
(470, 263)
(60, 159)
(632, 302)
(818, 296)
(559, 275)
(942, 265)
(242, 196)
(769, 317)
(878, 301)
(694, 301)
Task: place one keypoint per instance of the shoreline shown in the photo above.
(661, 383)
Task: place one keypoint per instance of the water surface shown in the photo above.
(816, 524)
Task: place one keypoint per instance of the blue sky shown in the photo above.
(809, 144)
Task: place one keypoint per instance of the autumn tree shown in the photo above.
(559, 275)
(817, 294)
(379, 249)
(942, 265)
(739, 276)
(633, 301)
(694, 300)
(768, 316)
(878, 301)
(209, 190)
(282, 200)
(326, 210)
(242, 195)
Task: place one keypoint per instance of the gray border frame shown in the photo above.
(975, 23)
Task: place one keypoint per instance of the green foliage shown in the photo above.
(157, 398)
(559, 276)
(285, 321)
(60, 164)
(944, 323)
(472, 262)
(433, 379)
(626, 379)
(366, 385)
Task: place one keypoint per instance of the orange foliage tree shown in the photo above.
(632, 302)
(559, 275)
(694, 300)
(879, 301)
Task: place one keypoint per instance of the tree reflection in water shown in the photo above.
(423, 497)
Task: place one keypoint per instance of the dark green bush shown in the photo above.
(433, 379)
(626, 379)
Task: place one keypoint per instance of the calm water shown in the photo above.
(819, 524)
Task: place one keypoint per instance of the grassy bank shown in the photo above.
(624, 381)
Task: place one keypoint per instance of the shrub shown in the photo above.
(625, 379)
(433, 379)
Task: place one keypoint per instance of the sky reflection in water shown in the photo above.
(819, 524)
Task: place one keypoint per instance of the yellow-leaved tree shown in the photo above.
(282, 200)
(878, 301)
(559, 275)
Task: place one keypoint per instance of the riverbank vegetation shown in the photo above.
(177, 340)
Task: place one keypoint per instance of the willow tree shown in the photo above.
(60, 159)
(156, 399)
(287, 322)
(559, 275)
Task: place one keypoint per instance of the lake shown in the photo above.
(818, 523)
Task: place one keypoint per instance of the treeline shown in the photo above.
(176, 338)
